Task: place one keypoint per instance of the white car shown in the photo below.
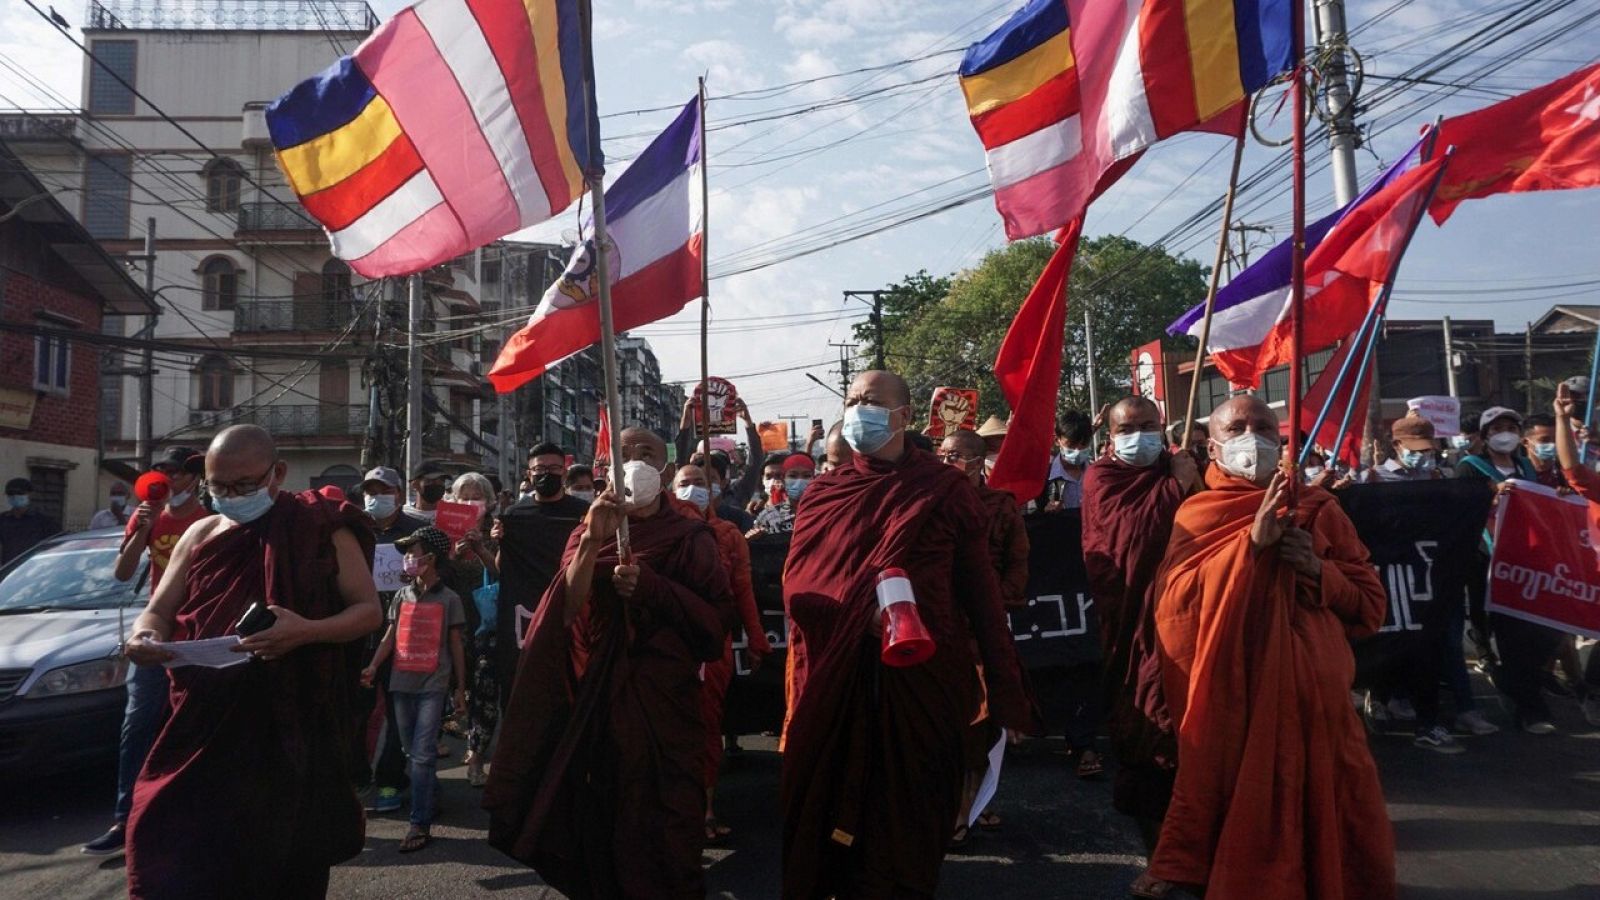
(63, 615)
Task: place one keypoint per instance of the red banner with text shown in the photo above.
(1544, 568)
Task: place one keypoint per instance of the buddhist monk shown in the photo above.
(873, 762)
(1129, 500)
(599, 779)
(835, 449)
(246, 793)
(693, 491)
(1276, 793)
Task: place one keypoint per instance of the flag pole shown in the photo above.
(594, 176)
(1211, 290)
(1297, 290)
(705, 280)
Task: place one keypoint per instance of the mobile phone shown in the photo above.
(257, 618)
(816, 423)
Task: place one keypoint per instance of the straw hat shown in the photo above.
(993, 427)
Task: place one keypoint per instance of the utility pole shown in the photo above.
(1088, 349)
(414, 375)
(145, 437)
(844, 364)
(1339, 108)
(1245, 230)
(876, 319)
(1527, 366)
(1450, 359)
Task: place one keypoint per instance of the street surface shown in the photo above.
(1517, 816)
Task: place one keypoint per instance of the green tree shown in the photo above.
(1130, 290)
(902, 305)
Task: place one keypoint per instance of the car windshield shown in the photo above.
(72, 574)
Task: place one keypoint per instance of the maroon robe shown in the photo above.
(1127, 522)
(246, 791)
(873, 763)
(599, 778)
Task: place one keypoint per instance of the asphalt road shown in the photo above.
(1517, 816)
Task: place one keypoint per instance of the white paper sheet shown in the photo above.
(386, 573)
(213, 653)
(991, 780)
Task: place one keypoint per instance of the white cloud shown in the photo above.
(726, 64)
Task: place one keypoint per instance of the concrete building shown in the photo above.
(282, 334)
(55, 282)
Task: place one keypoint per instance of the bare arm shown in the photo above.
(155, 623)
(361, 615)
(751, 481)
(133, 544)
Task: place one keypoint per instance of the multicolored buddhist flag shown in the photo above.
(1066, 90)
(454, 124)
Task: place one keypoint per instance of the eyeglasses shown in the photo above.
(952, 457)
(547, 470)
(240, 488)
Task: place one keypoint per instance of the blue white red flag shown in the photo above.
(653, 218)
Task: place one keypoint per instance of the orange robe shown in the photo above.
(1276, 795)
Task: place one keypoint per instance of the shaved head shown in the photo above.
(836, 450)
(1134, 414)
(1241, 414)
(690, 476)
(964, 450)
(888, 388)
(965, 442)
(242, 453)
(885, 390)
(641, 443)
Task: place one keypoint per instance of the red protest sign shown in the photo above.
(419, 630)
(951, 410)
(720, 402)
(456, 519)
(1544, 568)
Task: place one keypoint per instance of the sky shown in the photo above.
(874, 146)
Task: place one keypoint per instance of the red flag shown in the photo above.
(602, 437)
(1350, 450)
(1028, 368)
(1545, 140)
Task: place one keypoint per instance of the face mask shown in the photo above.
(1247, 455)
(866, 427)
(716, 492)
(411, 565)
(1138, 449)
(432, 493)
(1311, 473)
(771, 484)
(118, 501)
(1545, 451)
(1505, 442)
(17, 501)
(1076, 457)
(547, 485)
(1416, 459)
(794, 487)
(245, 509)
(585, 496)
(180, 498)
(379, 506)
(1460, 441)
(691, 493)
(641, 483)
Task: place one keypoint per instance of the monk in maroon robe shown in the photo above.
(1129, 501)
(246, 791)
(873, 755)
(599, 779)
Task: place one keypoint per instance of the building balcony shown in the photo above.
(40, 128)
(277, 221)
(293, 420)
(352, 16)
(254, 315)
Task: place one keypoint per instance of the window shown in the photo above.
(49, 488)
(219, 284)
(107, 95)
(223, 177)
(52, 364)
(109, 180)
(335, 281)
(216, 383)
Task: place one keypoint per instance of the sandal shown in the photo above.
(716, 832)
(959, 839)
(1149, 887)
(989, 820)
(1089, 764)
(415, 840)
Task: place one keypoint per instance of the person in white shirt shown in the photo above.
(1074, 452)
(115, 515)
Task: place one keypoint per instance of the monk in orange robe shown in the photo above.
(1276, 792)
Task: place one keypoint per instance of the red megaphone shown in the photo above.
(152, 487)
(906, 641)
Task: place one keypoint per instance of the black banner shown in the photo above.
(1421, 535)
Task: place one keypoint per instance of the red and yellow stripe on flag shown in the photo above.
(454, 124)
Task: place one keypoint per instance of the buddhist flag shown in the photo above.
(1545, 140)
(1066, 90)
(454, 124)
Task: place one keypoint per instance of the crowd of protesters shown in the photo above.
(573, 598)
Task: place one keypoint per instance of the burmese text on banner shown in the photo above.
(1544, 568)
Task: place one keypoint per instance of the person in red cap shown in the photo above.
(778, 516)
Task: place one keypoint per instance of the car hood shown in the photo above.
(47, 640)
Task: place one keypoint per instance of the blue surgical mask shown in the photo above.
(1416, 459)
(866, 427)
(1461, 441)
(1545, 451)
(379, 506)
(695, 494)
(1138, 449)
(247, 508)
(794, 487)
(716, 492)
(17, 501)
(1077, 456)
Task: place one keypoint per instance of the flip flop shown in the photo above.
(959, 839)
(989, 820)
(716, 832)
(1090, 765)
(415, 840)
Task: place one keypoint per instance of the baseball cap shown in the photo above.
(182, 459)
(1498, 412)
(432, 540)
(19, 486)
(383, 475)
(1413, 433)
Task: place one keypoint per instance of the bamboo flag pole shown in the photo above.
(705, 280)
(1211, 290)
(1297, 280)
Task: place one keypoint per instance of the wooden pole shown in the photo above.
(705, 282)
(1297, 282)
(1211, 291)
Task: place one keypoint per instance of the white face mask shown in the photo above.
(1505, 442)
(641, 483)
(585, 496)
(695, 494)
(179, 498)
(1311, 473)
(1248, 455)
(1140, 448)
